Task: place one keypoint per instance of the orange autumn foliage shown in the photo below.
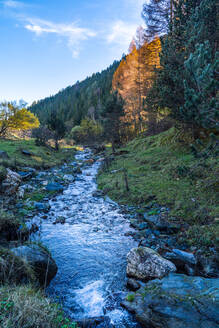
(134, 78)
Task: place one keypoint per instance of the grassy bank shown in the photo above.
(22, 304)
(41, 157)
(27, 307)
(160, 169)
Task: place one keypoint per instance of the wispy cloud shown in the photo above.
(72, 33)
(13, 4)
(121, 34)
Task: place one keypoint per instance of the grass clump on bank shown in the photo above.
(161, 168)
(41, 157)
(26, 307)
(14, 270)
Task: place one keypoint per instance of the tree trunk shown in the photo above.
(57, 145)
(113, 146)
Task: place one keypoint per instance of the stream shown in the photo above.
(90, 250)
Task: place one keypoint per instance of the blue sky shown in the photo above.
(47, 45)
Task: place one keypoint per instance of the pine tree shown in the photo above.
(57, 126)
(201, 106)
(112, 115)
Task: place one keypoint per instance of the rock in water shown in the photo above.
(40, 260)
(54, 187)
(177, 301)
(145, 264)
(133, 285)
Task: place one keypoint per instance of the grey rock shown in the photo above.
(177, 301)
(133, 285)
(25, 175)
(144, 264)
(158, 223)
(54, 187)
(100, 322)
(40, 260)
(41, 206)
(97, 193)
(60, 219)
(26, 152)
(184, 261)
(11, 183)
(186, 257)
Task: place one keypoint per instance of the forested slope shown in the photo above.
(75, 102)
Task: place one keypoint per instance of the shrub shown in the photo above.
(42, 135)
(89, 131)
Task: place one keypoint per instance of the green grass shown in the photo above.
(162, 169)
(42, 157)
(130, 297)
(26, 307)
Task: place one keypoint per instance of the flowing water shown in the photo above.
(90, 250)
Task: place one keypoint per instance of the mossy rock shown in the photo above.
(13, 270)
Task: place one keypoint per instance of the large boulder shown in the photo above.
(144, 263)
(54, 187)
(177, 301)
(11, 183)
(40, 260)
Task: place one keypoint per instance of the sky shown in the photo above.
(47, 45)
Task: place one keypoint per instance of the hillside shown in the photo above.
(75, 102)
(161, 170)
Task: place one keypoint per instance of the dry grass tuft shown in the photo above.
(25, 307)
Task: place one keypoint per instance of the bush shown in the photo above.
(89, 131)
(42, 135)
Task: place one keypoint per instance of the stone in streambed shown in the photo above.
(44, 207)
(184, 261)
(177, 301)
(158, 223)
(144, 264)
(60, 219)
(133, 285)
(54, 187)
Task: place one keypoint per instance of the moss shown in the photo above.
(26, 307)
(167, 172)
(130, 297)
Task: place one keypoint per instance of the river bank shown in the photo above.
(89, 236)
